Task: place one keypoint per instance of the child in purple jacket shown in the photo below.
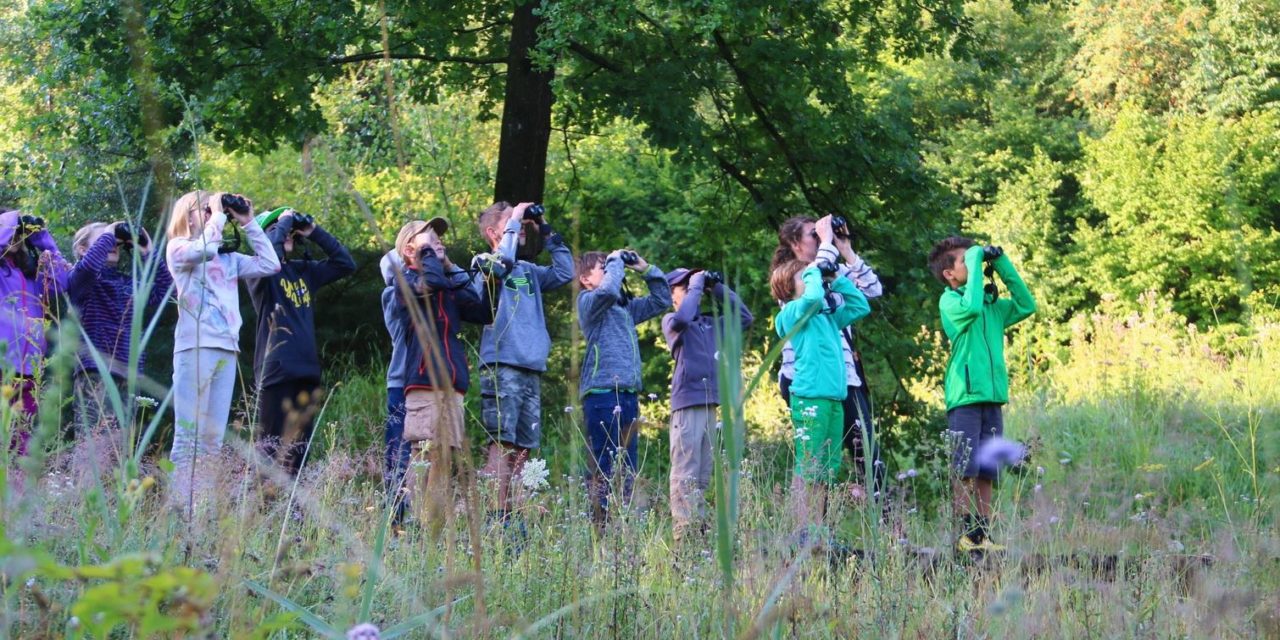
(691, 332)
(32, 274)
(103, 296)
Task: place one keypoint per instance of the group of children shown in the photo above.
(427, 296)
(821, 285)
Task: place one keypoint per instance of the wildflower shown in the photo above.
(902, 475)
(1039, 471)
(999, 452)
(911, 473)
(1053, 520)
(534, 474)
(364, 631)
(31, 582)
(568, 409)
(801, 434)
(1137, 497)
(145, 402)
(74, 622)
(617, 409)
(1036, 489)
(653, 396)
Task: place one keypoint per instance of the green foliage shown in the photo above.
(140, 592)
(1183, 201)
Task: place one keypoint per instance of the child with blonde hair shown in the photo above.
(206, 269)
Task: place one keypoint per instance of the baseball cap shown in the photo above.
(439, 225)
(268, 218)
(676, 276)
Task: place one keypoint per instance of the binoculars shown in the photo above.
(125, 236)
(629, 258)
(535, 212)
(713, 278)
(840, 226)
(303, 220)
(29, 224)
(991, 252)
(235, 203)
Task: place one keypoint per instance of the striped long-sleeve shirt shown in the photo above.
(103, 296)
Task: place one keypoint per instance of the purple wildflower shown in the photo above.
(999, 452)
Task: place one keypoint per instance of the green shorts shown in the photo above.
(819, 432)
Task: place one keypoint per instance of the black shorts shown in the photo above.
(971, 426)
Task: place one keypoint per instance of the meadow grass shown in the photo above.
(1147, 509)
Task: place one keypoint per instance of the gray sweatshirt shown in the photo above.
(613, 350)
(518, 336)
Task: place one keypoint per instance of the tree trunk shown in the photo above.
(526, 116)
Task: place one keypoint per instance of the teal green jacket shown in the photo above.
(817, 342)
(976, 372)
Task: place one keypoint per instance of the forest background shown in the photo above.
(1114, 148)
(1125, 153)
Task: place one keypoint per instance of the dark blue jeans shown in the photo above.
(397, 451)
(611, 425)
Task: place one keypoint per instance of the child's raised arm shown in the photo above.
(801, 309)
(855, 305)
(560, 272)
(87, 268)
(688, 310)
(185, 254)
(264, 261)
(734, 302)
(962, 309)
(1023, 303)
(591, 303)
(659, 298)
(338, 262)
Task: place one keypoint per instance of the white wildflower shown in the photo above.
(145, 402)
(534, 474)
(911, 473)
(568, 409)
(653, 396)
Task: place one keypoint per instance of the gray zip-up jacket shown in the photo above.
(518, 335)
(609, 322)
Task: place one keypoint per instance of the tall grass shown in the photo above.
(1147, 510)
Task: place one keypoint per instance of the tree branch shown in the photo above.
(384, 55)
(741, 178)
(594, 57)
(811, 195)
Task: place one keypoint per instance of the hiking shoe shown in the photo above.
(966, 544)
(988, 546)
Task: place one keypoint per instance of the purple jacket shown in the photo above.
(103, 296)
(691, 334)
(25, 302)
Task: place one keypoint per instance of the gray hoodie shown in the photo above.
(613, 350)
(518, 336)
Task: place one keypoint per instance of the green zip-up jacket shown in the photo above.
(976, 372)
(819, 357)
